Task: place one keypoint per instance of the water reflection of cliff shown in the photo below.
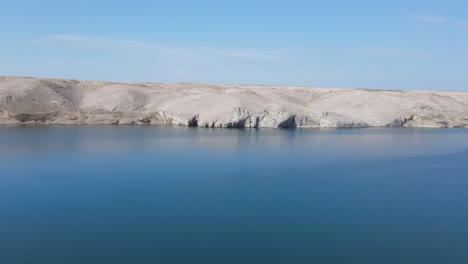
(311, 144)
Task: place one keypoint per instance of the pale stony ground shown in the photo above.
(47, 101)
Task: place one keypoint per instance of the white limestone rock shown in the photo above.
(46, 101)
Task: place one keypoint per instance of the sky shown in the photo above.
(398, 44)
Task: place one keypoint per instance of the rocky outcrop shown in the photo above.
(45, 101)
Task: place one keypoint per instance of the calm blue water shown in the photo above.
(117, 194)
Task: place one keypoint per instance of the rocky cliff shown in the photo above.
(47, 101)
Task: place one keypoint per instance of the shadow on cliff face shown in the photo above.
(24, 117)
(290, 122)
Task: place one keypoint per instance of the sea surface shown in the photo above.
(142, 194)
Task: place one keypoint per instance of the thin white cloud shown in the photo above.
(143, 50)
(432, 19)
(369, 51)
(464, 24)
(390, 52)
(152, 49)
(98, 42)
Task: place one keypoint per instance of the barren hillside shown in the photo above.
(47, 101)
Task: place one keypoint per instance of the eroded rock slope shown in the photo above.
(47, 101)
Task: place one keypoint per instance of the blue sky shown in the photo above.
(364, 43)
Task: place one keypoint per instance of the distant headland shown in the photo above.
(50, 101)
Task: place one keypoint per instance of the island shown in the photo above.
(72, 102)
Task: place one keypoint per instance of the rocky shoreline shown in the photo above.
(61, 102)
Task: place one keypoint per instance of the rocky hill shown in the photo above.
(47, 101)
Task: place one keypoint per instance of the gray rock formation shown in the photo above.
(46, 101)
